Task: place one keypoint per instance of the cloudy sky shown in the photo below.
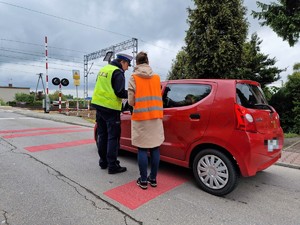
(76, 28)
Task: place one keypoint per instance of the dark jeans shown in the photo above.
(143, 162)
(109, 131)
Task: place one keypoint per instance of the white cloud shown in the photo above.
(285, 55)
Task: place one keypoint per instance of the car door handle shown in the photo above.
(195, 116)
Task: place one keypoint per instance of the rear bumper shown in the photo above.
(254, 153)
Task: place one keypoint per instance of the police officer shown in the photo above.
(107, 99)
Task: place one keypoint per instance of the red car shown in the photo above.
(219, 128)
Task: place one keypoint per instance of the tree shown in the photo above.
(178, 68)
(215, 38)
(283, 17)
(256, 65)
(216, 46)
(287, 102)
(293, 92)
(69, 96)
(283, 105)
(55, 96)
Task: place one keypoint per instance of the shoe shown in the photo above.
(142, 184)
(103, 167)
(153, 183)
(118, 169)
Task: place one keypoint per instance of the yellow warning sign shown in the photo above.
(76, 74)
(76, 82)
(76, 77)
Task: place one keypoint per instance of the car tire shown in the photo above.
(214, 172)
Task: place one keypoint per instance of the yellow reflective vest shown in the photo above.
(104, 94)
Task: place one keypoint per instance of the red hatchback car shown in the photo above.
(219, 128)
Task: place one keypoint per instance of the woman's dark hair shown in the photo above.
(141, 58)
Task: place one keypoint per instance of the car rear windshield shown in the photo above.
(250, 96)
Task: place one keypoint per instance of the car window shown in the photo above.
(249, 95)
(178, 95)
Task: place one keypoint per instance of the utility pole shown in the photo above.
(40, 78)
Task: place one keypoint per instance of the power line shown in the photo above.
(39, 53)
(82, 24)
(18, 51)
(27, 43)
(13, 70)
(35, 59)
(62, 18)
(54, 68)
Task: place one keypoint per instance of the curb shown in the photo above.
(292, 145)
(293, 166)
(286, 150)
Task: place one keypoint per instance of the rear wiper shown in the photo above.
(264, 106)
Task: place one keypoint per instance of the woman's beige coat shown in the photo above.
(145, 133)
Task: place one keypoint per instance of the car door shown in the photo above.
(186, 116)
(125, 140)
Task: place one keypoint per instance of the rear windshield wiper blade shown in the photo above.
(264, 106)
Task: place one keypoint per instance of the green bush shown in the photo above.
(22, 97)
(290, 135)
(2, 102)
(36, 103)
(12, 103)
(296, 112)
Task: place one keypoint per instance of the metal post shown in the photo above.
(47, 100)
(59, 99)
(77, 103)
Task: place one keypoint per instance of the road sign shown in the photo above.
(76, 77)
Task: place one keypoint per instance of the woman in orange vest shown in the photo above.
(147, 132)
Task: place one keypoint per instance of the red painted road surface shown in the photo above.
(132, 196)
(59, 145)
(129, 195)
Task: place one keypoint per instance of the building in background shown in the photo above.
(7, 93)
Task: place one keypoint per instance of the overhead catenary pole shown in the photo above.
(132, 43)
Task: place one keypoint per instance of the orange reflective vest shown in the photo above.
(148, 99)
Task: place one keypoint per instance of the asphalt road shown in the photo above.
(49, 174)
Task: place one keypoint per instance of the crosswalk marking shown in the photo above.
(59, 145)
(37, 129)
(45, 133)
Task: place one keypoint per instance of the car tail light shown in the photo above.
(245, 120)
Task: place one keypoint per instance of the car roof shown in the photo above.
(219, 81)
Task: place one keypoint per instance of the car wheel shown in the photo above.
(214, 172)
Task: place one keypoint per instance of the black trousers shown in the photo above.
(109, 132)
